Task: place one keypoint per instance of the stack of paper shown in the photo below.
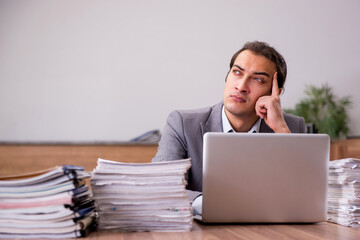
(54, 203)
(344, 192)
(142, 197)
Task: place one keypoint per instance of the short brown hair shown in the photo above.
(263, 49)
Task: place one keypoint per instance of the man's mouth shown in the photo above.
(238, 98)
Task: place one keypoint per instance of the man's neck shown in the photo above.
(243, 123)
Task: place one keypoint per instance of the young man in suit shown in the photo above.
(251, 103)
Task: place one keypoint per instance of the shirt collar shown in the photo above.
(227, 126)
(256, 127)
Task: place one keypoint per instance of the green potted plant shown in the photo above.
(324, 111)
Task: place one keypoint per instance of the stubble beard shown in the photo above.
(239, 111)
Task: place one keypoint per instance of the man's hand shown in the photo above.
(269, 109)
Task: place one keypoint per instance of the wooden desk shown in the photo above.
(227, 232)
(23, 158)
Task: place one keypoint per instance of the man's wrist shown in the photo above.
(282, 129)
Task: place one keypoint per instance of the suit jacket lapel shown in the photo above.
(264, 128)
(213, 123)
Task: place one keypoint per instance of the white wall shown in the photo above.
(95, 70)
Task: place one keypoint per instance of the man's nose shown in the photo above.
(242, 85)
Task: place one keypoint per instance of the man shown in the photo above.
(250, 103)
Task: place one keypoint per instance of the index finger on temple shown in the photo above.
(275, 86)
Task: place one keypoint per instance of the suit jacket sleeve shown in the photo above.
(173, 146)
(296, 124)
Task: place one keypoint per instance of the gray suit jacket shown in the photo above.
(183, 137)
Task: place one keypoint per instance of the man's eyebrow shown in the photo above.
(255, 73)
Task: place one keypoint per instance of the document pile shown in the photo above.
(344, 192)
(55, 203)
(142, 197)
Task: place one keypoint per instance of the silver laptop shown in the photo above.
(264, 177)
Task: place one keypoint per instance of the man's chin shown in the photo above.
(238, 111)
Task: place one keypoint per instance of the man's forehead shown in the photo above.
(251, 62)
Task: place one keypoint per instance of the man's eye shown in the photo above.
(237, 72)
(259, 80)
